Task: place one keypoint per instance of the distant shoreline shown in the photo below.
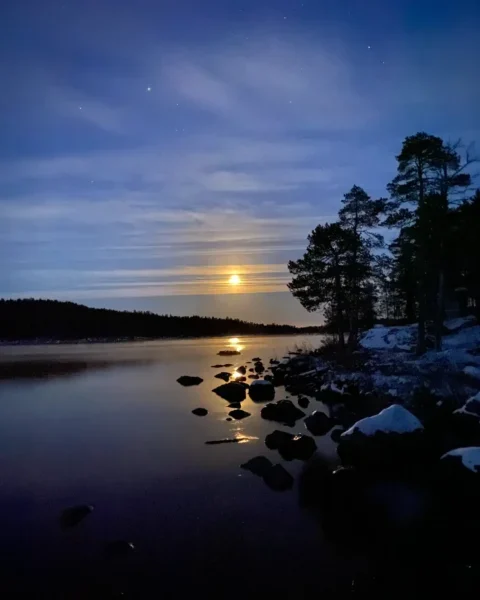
(94, 341)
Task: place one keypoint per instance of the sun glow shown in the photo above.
(234, 280)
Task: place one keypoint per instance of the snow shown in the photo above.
(260, 382)
(453, 324)
(389, 338)
(470, 457)
(394, 419)
(332, 387)
(465, 338)
(472, 372)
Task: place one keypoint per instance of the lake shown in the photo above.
(108, 425)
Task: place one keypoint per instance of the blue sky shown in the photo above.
(150, 149)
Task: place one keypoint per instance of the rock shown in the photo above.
(229, 419)
(330, 393)
(458, 481)
(223, 375)
(254, 377)
(336, 435)
(242, 379)
(217, 366)
(234, 405)
(233, 391)
(278, 479)
(228, 353)
(251, 370)
(258, 465)
(227, 365)
(256, 359)
(274, 361)
(226, 441)
(464, 458)
(261, 390)
(119, 549)
(242, 370)
(301, 447)
(303, 402)
(200, 412)
(394, 438)
(318, 423)
(239, 414)
(267, 378)
(186, 380)
(74, 515)
(259, 368)
(283, 411)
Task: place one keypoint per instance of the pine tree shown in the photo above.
(319, 278)
(359, 215)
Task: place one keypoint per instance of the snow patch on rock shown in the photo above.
(258, 382)
(394, 419)
(453, 324)
(472, 372)
(470, 457)
(389, 338)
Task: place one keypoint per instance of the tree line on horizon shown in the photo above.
(29, 319)
(433, 261)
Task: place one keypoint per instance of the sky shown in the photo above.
(151, 149)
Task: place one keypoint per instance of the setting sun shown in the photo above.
(234, 280)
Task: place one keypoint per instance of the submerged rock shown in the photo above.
(228, 353)
(278, 479)
(186, 380)
(318, 423)
(239, 414)
(261, 390)
(233, 391)
(226, 441)
(258, 465)
(301, 447)
(74, 515)
(200, 412)
(119, 549)
(223, 375)
(283, 411)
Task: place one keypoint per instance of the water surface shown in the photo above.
(109, 425)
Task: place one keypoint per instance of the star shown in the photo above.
(149, 89)
(284, 18)
(79, 108)
(369, 47)
(290, 101)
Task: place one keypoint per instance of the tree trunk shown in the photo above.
(421, 346)
(439, 313)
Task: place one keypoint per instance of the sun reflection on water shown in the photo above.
(236, 344)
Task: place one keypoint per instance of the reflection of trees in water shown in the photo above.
(48, 369)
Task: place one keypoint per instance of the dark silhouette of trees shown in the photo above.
(433, 257)
(53, 320)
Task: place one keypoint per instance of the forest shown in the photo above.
(30, 319)
(430, 267)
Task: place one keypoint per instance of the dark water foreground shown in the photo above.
(109, 426)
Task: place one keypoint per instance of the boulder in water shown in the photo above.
(283, 411)
(228, 353)
(261, 390)
(223, 375)
(303, 401)
(318, 423)
(232, 392)
(200, 412)
(301, 447)
(239, 414)
(242, 370)
(259, 465)
(278, 479)
(186, 380)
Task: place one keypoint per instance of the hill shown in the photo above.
(54, 320)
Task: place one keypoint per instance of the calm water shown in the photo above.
(112, 428)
